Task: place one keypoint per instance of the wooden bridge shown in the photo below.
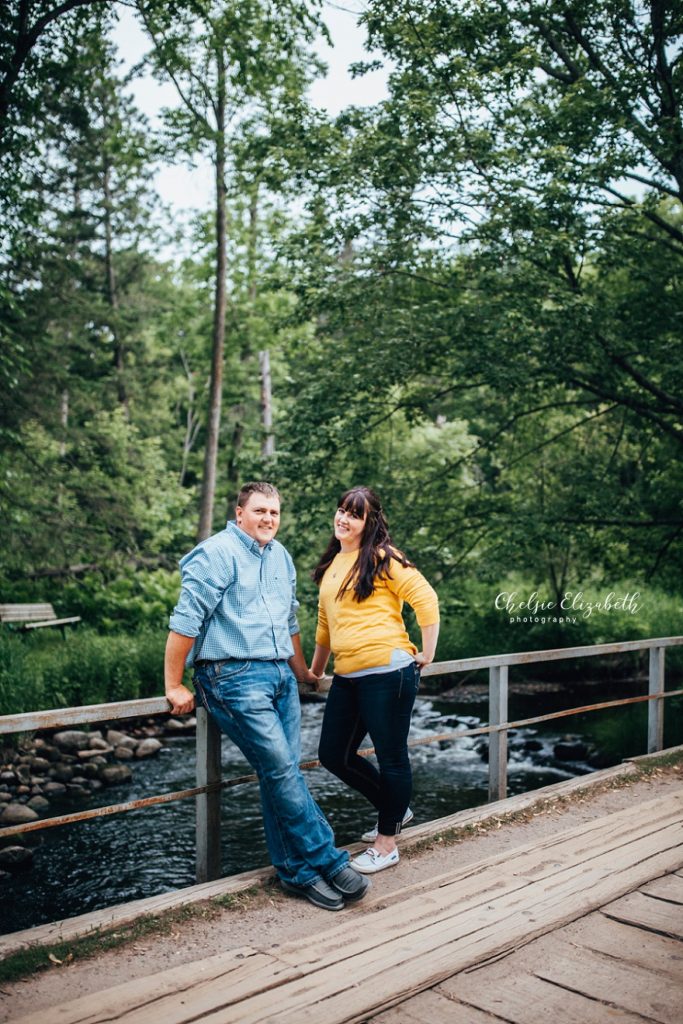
(585, 926)
(592, 918)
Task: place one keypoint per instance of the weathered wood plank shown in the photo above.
(669, 888)
(526, 999)
(557, 654)
(29, 721)
(646, 912)
(208, 806)
(238, 973)
(26, 612)
(627, 943)
(498, 741)
(431, 1007)
(613, 982)
(655, 709)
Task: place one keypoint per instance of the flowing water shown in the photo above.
(91, 865)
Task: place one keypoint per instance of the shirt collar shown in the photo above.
(250, 543)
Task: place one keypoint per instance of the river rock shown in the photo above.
(116, 774)
(124, 753)
(38, 803)
(94, 784)
(17, 814)
(90, 770)
(148, 748)
(50, 753)
(39, 765)
(90, 755)
(532, 745)
(72, 739)
(15, 857)
(176, 725)
(54, 789)
(601, 759)
(8, 778)
(23, 790)
(573, 750)
(62, 773)
(98, 743)
(23, 773)
(120, 739)
(75, 789)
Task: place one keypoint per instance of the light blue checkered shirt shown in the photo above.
(238, 601)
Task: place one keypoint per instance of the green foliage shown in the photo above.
(42, 672)
(142, 599)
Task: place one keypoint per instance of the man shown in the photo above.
(235, 623)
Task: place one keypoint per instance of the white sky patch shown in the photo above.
(186, 189)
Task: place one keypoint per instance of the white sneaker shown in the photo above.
(369, 837)
(372, 860)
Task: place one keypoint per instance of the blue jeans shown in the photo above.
(256, 704)
(380, 705)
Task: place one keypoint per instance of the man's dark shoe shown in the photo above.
(350, 884)
(320, 893)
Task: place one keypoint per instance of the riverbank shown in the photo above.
(219, 925)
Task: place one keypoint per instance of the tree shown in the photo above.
(504, 269)
(228, 62)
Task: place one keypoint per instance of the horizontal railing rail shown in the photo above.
(210, 784)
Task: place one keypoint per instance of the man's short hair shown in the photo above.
(256, 487)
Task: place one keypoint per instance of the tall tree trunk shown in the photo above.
(112, 292)
(192, 421)
(268, 441)
(216, 390)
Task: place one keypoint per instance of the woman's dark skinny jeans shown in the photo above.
(380, 705)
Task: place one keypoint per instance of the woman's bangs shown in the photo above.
(354, 503)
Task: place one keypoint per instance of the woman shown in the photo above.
(363, 583)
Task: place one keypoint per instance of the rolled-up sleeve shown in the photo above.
(204, 577)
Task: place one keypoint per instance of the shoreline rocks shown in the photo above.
(69, 764)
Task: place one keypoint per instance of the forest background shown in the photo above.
(467, 295)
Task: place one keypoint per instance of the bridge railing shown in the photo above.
(208, 772)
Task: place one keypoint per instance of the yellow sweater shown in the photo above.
(363, 635)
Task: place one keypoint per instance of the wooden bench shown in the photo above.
(34, 616)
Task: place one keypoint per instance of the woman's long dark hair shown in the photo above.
(376, 548)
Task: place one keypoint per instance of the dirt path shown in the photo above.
(268, 918)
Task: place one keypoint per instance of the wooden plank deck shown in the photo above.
(596, 970)
(428, 954)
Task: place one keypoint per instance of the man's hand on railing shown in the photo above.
(181, 699)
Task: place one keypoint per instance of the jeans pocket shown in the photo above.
(230, 670)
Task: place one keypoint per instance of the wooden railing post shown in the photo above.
(498, 741)
(208, 804)
(655, 708)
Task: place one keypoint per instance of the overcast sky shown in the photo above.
(185, 188)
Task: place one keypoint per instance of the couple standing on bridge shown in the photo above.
(235, 624)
